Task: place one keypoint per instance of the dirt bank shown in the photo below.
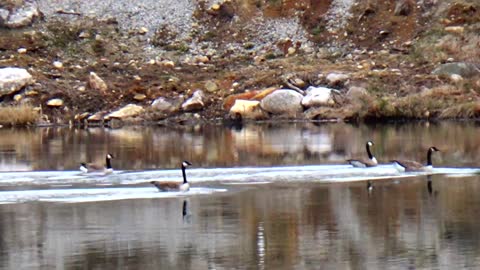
(150, 50)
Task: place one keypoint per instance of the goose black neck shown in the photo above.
(429, 157)
(184, 175)
(370, 156)
(107, 161)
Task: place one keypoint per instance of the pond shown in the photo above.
(263, 196)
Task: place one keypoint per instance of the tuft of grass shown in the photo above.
(22, 115)
(317, 30)
(467, 110)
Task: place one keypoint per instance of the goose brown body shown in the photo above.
(174, 186)
(412, 166)
(371, 161)
(93, 167)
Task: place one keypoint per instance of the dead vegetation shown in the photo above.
(21, 115)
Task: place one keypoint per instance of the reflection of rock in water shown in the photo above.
(369, 187)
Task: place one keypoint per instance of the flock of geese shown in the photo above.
(370, 161)
(400, 165)
(161, 185)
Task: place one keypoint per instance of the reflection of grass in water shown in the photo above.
(22, 115)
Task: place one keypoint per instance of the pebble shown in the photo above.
(139, 97)
(58, 64)
(56, 102)
(143, 30)
(22, 51)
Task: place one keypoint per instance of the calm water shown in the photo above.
(263, 197)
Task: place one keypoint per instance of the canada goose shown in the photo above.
(411, 166)
(174, 186)
(90, 167)
(371, 161)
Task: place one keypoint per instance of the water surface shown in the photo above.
(263, 197)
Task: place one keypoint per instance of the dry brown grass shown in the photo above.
(22, 115)
(440, 102)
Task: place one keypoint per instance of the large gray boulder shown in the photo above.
(283, 102)
(13, 79)
(460, 68)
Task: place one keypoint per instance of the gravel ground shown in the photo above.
(339, 14)
(174, 13)
(130, 14)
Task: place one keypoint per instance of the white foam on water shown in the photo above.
(101, 186)
(314, 173)
(96, 194)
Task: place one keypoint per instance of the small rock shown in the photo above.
(81, 88)
(82, 116)
(31, 93)
(455, 29)
(129, 110)
(456, 78)
(3, 16)
(211, 86)
(17, 97)
(230, 100)
(84, 34)
(337, 78)
(356, 92)
(143, 30)
(168, 63)
(317, 96)
(96, 117)
(163, 105)
(247, 109)
(139, 97)
(403, 7)
(56, 102)
(13, 79)
(22, 51)
(200, 59)
(291, 51)
(23, 16)
(97, 83)
(358, 96)
(57, 64)
(215, 7)
(194, 103)
(283, 102)
(298, 82)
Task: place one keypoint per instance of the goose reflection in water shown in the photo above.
(186, 214)
(429, 184)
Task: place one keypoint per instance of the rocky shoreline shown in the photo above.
(230, 61)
